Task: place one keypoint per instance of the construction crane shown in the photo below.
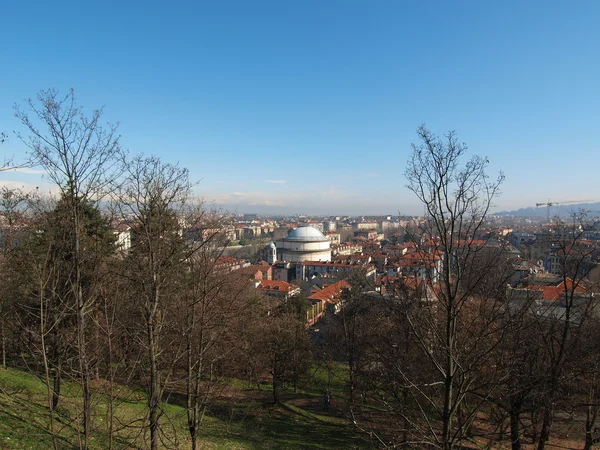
(548, 204)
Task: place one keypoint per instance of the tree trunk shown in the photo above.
(80, 304)
(351, 384)
(154, 397)
(534, 424)
(85, 371)
(47, 370)
(56, 386)
(592, 413)
(193, 384)
(275, 393)
(447, 413)
(3, 344)
(545, 430)
(515, 436)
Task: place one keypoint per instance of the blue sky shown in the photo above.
(311, 106)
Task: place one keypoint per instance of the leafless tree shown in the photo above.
(350, 324)
(213, 300)
(39, 309)
(79, 155)
(563, 322)
(457, 199)
(153, 195)
(12, 205)
(286, 346)
(592, 385)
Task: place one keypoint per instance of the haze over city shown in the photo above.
(311, 107)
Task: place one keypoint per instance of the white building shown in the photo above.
(270, 253)
(304, 244)
(122, 232)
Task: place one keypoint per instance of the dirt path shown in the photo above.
(315, 405)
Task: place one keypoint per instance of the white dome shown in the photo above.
(306, 234)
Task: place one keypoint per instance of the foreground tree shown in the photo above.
(457, 199)
(212, 305)
(13, 203)
(286, 344)
(78, 154)
(349, 327)
(154, 194)
(562, 325)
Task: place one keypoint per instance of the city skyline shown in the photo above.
(312, 108)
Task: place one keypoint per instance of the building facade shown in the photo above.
(304, 244)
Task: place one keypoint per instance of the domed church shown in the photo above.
(304, 244)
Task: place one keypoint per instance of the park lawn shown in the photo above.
(247, 422)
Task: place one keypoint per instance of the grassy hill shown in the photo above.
(237, 418)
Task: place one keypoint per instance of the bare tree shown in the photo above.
(457, 199)
(153, 196)
(351, 325)
(286, 344)
(39, 309)
(12, 203)
(591, 383)
(518, 363)
(212, 301)
(78, 154)
(563, 322)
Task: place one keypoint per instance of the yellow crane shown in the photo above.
(548, 204)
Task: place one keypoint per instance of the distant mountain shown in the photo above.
(555, 210)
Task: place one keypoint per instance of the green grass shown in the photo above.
(322, 377)
(249, 422)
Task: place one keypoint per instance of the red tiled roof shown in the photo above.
(553, 293)
(276, 286)
(331, 294)
(226, 260)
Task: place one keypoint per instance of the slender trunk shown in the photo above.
(590, 420)
(349, 324)
(534, 424)
(545, 430)
(515, 435)
(406, 421)
(46, 368)
(275, 393)
(351, 382)
(154, 397)
(96, 344)
(189, 390)
(56, 362)
(3, 324)
(56, 385)
(80, 305)
(197, 406)
(194, 412)
(447, 413)
(193, 381)
(111, 378)
(84, 370)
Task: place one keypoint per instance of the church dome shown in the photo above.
(311, 234)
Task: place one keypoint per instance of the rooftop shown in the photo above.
(308, 234)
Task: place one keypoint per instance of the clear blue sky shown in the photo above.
(311, 106)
